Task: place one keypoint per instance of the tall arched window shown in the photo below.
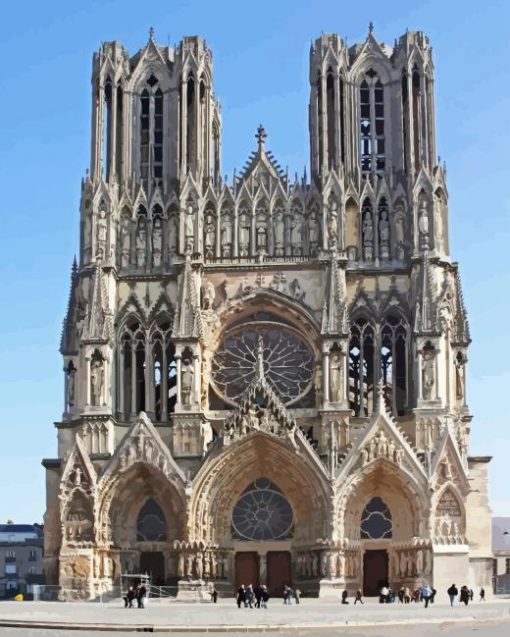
(330, 118)
(132, 368)
(362, 367)
(372, 124)
(191, 124)
(416, 80)
(107, 129)
(151, 134)
(394, 362)
(405, 111)
(164, 372)
(119, 133)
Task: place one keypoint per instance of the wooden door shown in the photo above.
(279, 571)
(153, 563)
(247, 568)
(375, 571)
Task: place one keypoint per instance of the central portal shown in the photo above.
(375, 571)
(153, 563)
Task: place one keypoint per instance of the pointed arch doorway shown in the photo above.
(376, 530)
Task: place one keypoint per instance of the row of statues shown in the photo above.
(328, 564)
(202, 564)
(381, 447)
(410, 563)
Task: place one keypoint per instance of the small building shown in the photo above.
(501, 550)
(21, 558)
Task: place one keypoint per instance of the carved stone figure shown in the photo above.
(157, 242)
(189, 228)
(125, 249)
(313, 235)
(187, 378)
(208, 295)
(279, 234)
(428, 373)
(368, 236)
(296, 234)
(173, 234)
(71, 384)
(384, 235)
(209, 237)
(96, 381)
(199, 565)
(423, 224)
(336, 377)
(332, 229)
(244, 235)
(102, 234)
(141, 244)
(226, 236)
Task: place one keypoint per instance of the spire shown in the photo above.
(370, 27)
(67, 338)
(424, 312)
(334, 311)
(185, 317)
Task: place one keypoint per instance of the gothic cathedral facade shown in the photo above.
(265, 379)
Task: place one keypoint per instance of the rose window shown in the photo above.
(287, 361)
(262, 513)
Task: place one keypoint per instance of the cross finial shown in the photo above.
(151, 34)
(370, 27)
(261, 136)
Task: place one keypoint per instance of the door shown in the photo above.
(278, 571)
(247, 568)
(153, 563)
(375, 571)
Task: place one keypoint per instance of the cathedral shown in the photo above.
(265, 375)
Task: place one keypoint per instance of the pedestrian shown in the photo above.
(344, 597)
(129, 597)
(426, 594)
(297, 595)
(464, 595)
(453, 591)
(471, 594)
(407, 595)
(257, 591)
(264, 596)
(358, 597)
(400, 595)
(214, 595)
(248, 596)
(384, 594)
(241, 596)
(287, 594)
(141, 596)
(482, 594)
(433, 596)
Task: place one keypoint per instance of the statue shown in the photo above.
(323, 564)
(384, 235)
(364, 456)
(279, 234)
(157, 242)
(199, 565)
(368, 235)
(102, 234)
(332, 229)
(391, 450)
(208, 295)
(313, 235)
(428, 373)
(180, 565)
(315, 565)
(71, 371)
(141, 244)
(336, 378)
(423, 224)
(96, 380)
(189, 228)
(125, 249)
(331, 566)
(209, 237)
(459, 378)
(226, 236)
(244, 236)
(187, 377)
(189, 565)
(173, 233)
(296, 234)
(419, 562)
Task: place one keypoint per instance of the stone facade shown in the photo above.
(266, 379)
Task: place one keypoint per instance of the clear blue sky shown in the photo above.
(260, 75)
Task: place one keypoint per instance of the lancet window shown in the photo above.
(151, 134)
(378, 353)
(371, 124)
(147, 369)
(107, 129)
(151, 523)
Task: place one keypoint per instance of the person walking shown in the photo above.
(248, 596)
(297, 595)
(128, 599)
(482, 594)
(464, 595)
(141, 595)
(426, 594)
(384, 594)
(264, 596)
(214, 595)
(453, 591)
(358, 597)
(241, 596)
(344, 597)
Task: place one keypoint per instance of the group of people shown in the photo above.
(252, 596)
(465, 595)
(138, 592)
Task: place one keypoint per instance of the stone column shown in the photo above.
(262, 567)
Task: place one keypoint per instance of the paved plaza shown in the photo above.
(311, 616)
